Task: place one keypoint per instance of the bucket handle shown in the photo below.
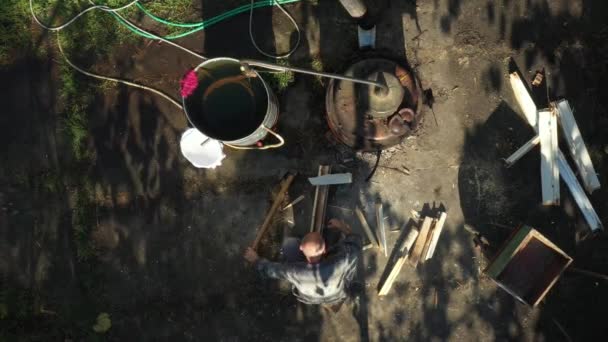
(267, 147)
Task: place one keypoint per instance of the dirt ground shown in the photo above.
(169, 238)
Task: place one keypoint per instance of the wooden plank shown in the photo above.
(427, 244)
(366, 227)
(273, 209)
(321, 209)
(577, 147)
(381, 228)
(564, 169)
(332, 179)
(549, 173)
(524, 99)
(556, 249)
(525, 148)
(294, 202)
(314, 203)
(507, 251)
(320, 202)
(516, 266)
(424, 233)
(435, 235)
(405, 248)
(554, 151)
(578, 194)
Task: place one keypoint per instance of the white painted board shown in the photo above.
(578, 193)
(581, 199)
(332, 179)
(524, 99)
(381, 227)
(435, 236)
(525, 148)
(549, 173)
(577, 147)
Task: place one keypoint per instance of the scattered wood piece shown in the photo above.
(294, 202)
(414, 214)
(559, 326)
(578, 194)
(522, 151)
(341, 208)
(577, 147)
(273, 209)
(319, 205)
(588, 273)
(368, 246)
(381, 227)
(529, 108)
(427, 244)
(524, 99)
(434, 238)
(538, 79)
(403, 254)
(528, 265)
(332, 179)
(549, 172)
(365, 226)
(417, 250)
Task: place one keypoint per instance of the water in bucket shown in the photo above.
(227, 105)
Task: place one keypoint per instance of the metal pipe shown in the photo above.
(246, 63)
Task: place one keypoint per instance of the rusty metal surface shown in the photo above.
(366, 119)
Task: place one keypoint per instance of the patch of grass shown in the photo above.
(49, 182)
(15, 34)
(279, 81)
(15, 302)
(174, 10)
(83, 221)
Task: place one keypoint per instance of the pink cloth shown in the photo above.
(189, 83)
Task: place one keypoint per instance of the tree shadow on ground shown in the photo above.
(568, 40)
(169, 237)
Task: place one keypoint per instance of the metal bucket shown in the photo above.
(229, 106)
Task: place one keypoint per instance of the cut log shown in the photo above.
(522, 151)
(365, 226)
(435, 235)
(403, 252)
(422, 237)
(577, 147)
(549, 172)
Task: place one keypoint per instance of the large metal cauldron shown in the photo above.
(369, 118)
(230, 106)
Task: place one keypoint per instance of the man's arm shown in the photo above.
(267, 268)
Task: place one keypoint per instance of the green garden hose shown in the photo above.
(195, 27)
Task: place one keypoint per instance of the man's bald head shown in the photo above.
(313, 247)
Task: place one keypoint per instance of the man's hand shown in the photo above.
(340, 225)
(251, 256)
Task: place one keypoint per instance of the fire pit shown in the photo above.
(370, 118)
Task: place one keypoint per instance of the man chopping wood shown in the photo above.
(320, 269)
